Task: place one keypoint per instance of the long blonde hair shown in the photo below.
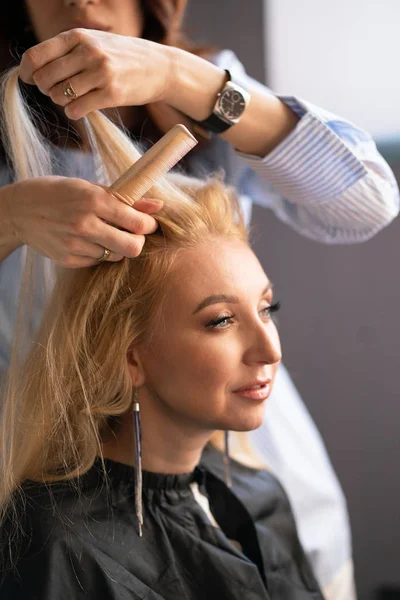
(75, 377)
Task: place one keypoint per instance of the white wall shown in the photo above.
(341, 54)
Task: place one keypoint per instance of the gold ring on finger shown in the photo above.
(106, 255)
(69, 91)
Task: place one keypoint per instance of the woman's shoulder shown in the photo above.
(45, 550)
(50, 562)
(77, 542)
(40, 517)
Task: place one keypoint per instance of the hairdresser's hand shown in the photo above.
(104, 69)
(71, 220)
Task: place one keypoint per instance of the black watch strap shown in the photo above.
(214, 124)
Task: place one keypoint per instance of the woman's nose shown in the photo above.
(264, 346)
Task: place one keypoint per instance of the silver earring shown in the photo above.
(138, 463)
(227, 461)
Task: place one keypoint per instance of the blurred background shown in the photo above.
(340, 322)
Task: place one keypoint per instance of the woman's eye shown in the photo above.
(268, 311)
(221, 322)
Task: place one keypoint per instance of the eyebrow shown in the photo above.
(218, 298)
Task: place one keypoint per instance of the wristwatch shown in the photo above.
(229, 107)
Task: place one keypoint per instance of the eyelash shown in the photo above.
(273, 308)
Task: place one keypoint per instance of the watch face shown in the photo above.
(231, 104)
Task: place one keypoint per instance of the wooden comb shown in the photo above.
(156, 162)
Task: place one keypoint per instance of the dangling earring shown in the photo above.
(138, 463)
(227, 461)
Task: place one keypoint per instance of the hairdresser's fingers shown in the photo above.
(145, 204)
(110, 257)
(149, 205)
(86, 67)
(94, 100)
(128, 218)
(50, 79)
(94, 252)
(80, 253)
(120, 242)
(94, 233)
(70, 250)
(41, 54)
(81, 83)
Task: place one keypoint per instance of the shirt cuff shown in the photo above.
(312, 165)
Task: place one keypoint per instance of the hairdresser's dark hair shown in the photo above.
(163, 20)
(162, 23)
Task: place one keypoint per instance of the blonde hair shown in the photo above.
(75, 377)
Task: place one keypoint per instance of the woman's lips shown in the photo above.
(259, 391)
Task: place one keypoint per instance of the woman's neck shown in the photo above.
(167, 445)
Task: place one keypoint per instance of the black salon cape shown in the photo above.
(86, 546)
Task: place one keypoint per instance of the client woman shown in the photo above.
(185, 332)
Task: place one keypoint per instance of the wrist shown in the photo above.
(231, 103)
(194, 84)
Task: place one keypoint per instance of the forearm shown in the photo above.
(193, 91)
(8, 240)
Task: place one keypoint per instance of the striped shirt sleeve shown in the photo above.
(326, 179)
(331, 183)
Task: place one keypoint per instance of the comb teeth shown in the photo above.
(156, 162)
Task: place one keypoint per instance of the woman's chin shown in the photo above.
(247, 420)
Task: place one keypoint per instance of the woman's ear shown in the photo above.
(135, 367)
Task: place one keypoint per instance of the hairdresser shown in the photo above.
(317, 172)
